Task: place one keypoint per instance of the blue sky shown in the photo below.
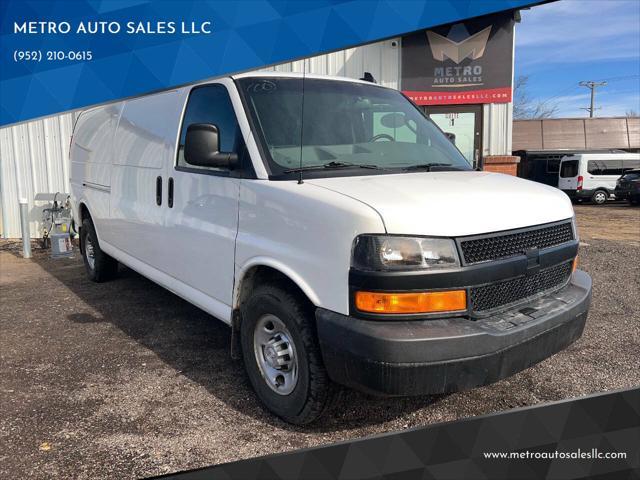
(561, 43)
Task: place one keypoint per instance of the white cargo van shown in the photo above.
(593, 176)
(339, 233)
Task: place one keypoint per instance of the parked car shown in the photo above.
(592, 176)
(628, 187)
(336, 229)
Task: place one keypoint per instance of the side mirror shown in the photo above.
(451, 137)
(202, 148)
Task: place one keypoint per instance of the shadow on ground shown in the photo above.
(196, 345)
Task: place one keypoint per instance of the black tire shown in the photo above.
(600, 197)
(314, 393)
(103, 267)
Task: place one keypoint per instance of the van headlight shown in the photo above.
(387, 252)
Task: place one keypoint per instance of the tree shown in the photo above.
(631, 114)
(524, 107)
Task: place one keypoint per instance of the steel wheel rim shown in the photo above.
(89, 252)
(275, 354)
(600, 197)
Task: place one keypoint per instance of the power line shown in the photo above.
(558, 95)
(574, 86)
(591, 85)
(617, 79)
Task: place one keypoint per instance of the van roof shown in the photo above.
(247, 75)
(301, 75)
(616, 155)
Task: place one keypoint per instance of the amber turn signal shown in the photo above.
(575, 264)
(415, 302)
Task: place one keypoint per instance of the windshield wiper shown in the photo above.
(331, 165)
(427, 167)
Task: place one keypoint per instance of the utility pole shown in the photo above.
(591, 85)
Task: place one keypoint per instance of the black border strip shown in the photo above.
(607, 422)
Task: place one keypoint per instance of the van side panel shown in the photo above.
(91, 156)
(144, 144)
(305, 232)
(589, 167)
(594, 179)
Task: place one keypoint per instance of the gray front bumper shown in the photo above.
(437, 356)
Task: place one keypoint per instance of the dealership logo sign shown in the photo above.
(472, 47)
(457, 46)
(467, 62)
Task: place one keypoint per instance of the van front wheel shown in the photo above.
(100, 266)
(282, 356)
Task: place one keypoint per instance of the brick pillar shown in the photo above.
(507, 164)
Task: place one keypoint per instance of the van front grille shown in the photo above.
(511, 291)
(505, 244)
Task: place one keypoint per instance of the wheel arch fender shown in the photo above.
(80, 214)
(252, 272)
(84, 212)
(246, 274)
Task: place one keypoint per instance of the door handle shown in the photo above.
(170, 192)
(159, 190)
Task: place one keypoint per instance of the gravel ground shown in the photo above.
(125, 380)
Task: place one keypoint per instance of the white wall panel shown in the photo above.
(34, 159)
(496, 130)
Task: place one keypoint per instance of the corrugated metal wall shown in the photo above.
(497, 121)
(33, 159)
(381, 59)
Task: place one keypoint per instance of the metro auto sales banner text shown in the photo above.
(468, 62)
(62, 55)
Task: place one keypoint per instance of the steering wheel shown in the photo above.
(381, 136)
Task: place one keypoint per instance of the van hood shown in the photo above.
(453, 204)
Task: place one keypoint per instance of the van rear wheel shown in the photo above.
(100, 266)
(282, 356)
(599, 197)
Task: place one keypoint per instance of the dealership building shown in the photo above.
(460, 74)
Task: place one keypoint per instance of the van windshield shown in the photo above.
(569, 169)
(347, 126)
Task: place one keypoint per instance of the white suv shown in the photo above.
(338, 232)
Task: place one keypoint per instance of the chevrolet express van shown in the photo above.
(335, 228)
(592, 176)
